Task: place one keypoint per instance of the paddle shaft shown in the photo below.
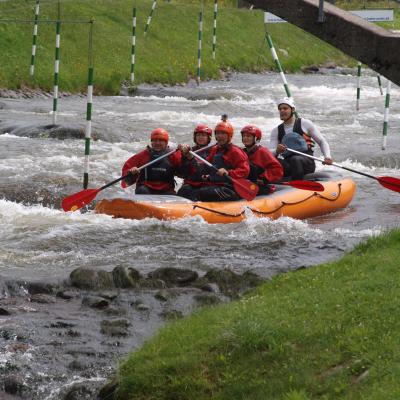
(334, 164)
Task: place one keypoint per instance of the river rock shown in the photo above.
(13, 384)
(108, 390)
(174, 276)
(42, 299)
(84, 278)
(204, 299)
(95, 302)
(115, 327)
(230, 283)
(125, 277)
(4, 293)
(39, 288)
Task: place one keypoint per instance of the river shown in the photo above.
(39, 166)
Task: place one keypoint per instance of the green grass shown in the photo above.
(327, 332)
(168, 54)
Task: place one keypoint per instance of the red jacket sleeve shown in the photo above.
(273, 170)
(239, 161)
(137, 160)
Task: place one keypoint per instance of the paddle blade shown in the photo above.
(245, 189)
(305, 185)
(389, 183)
(79, 200)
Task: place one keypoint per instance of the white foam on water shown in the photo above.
(7, 135)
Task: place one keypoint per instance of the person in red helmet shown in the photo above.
(264, 167)
(228, 159)
(157, 178)
(193, 172)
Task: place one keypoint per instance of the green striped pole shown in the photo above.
(380, 84)
(279, 67)
(150, 16)
(199, 46)
(386, 114)
(358, 85)
(56, 71)
(133, 45)
(214, 45)
(89, 104)
(35, 32)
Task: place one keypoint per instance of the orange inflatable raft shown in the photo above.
(285, 201)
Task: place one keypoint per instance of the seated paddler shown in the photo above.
(193, 172)
(227, 159)
(264, 167)
(158, 178)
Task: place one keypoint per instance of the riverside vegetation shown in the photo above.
(327, 332)
(167, 54)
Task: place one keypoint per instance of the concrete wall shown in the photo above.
(362, 40)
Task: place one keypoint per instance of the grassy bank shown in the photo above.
(328, 332)
(168, 53)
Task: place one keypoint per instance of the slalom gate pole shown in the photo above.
(214, 43)
(150, 17)
(34, 40)
(133, 45)
(386, 114)
(56, 71)
(358, 86)
(199, 45)
(278, 65)
(89, 106)
(380, 84)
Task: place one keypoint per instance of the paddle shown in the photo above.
(304, 185)
(84, 197)
(388, 182)
(243, 187)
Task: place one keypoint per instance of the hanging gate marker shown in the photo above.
(214, 43)
(199, 46)
(386, 115)
(274, 55)
(133, 45)
(380, 84)
(358, 86)
(56, 71)
(89, 105)
(34, 40)
(150, 17)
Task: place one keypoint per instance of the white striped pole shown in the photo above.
(279, 67)
(89, 105)
(56, 71)
(133, 45)
(199, 46)
(358, 86)
(386, 115)
(34, 40)
(214, 45)
(380, 84)
(150, 16)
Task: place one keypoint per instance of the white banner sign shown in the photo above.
(272, 19)
(375, 15)
(369, 15)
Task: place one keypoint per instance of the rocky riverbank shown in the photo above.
(63, 340)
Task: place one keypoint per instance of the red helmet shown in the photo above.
(159, 133)
(225, 127)
(252, 130)
(202, 129)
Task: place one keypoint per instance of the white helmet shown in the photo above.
(287, 100)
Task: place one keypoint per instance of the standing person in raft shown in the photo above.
(264, 167)
(193, 172)
(297, 134)
(228, 159)
(157, 178)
